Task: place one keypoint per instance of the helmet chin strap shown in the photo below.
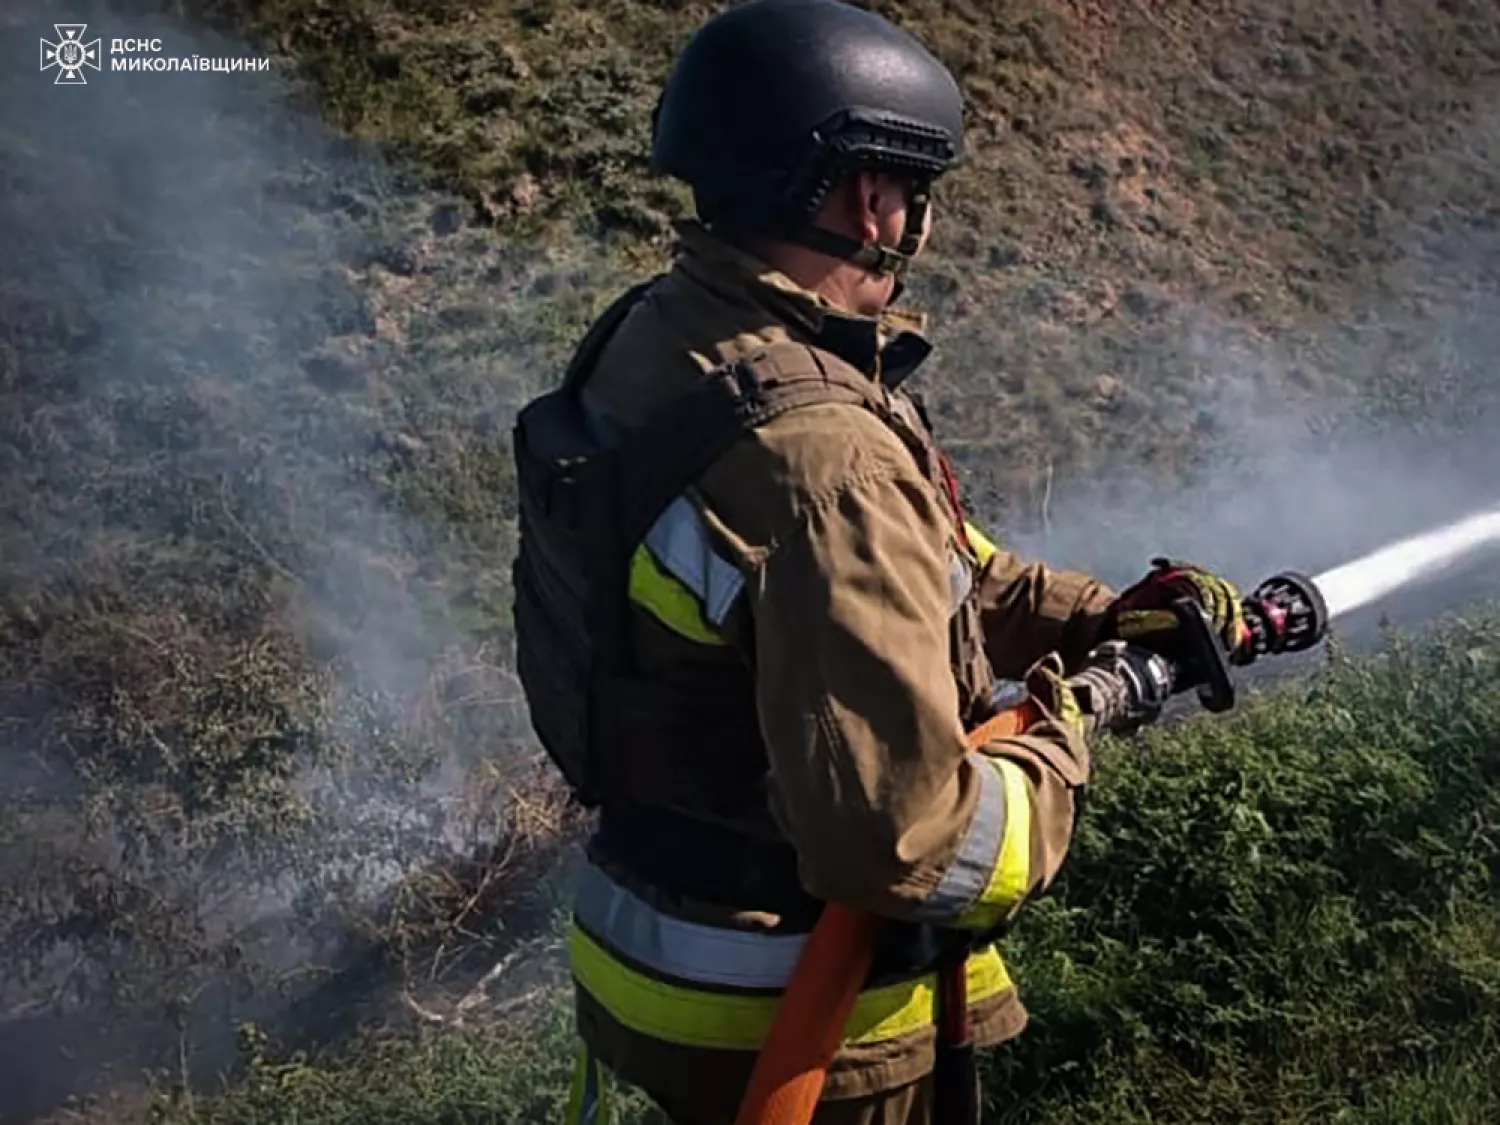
(877, 259)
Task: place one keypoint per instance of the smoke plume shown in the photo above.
(1401, 434)
(256, 719)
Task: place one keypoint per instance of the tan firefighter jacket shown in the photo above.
(822, 563)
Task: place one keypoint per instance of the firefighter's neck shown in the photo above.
(845, 286)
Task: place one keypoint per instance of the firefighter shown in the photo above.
(808, 624)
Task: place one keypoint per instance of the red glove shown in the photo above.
(1143, 615)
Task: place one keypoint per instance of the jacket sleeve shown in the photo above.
(1029, 609)
(870, 777)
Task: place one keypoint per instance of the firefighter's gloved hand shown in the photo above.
(1054, 694)
(1143, 615)
(1121, 688)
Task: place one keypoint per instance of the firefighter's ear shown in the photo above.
(866, 205)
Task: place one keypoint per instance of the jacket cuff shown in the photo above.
(991, 870)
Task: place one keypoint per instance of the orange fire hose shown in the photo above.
(808, 1027)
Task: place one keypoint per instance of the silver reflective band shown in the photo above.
(674, 947)
(680, 543)
(969, 873)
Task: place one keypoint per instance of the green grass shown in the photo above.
(434, 1077)
(1291, 914)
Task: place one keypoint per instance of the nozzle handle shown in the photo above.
(1207, 662)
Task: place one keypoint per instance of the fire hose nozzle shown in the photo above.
(1285, 613)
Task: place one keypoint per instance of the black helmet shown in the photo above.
(772, 102)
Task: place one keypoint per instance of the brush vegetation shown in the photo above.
(1290, 915)
(271, 813)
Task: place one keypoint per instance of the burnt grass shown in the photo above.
(268, 784)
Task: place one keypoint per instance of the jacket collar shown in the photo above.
(888, 347)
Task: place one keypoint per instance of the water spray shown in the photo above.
(1357, 584)
(1290, 612)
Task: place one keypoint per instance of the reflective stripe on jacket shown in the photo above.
(678, 578)
(708, 986)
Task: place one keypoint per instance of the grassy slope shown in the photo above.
(1290, 916)
(257, 536)
(1139, 171)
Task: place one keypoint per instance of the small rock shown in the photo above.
(1107, 390)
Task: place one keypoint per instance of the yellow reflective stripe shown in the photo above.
(1012, 871)
(984, 548)
(668, 600)
(1139, 622)
(735, 1021)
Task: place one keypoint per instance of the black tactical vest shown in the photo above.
(585, 504)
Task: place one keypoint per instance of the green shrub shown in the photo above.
(1285, 915)
(1274, 916)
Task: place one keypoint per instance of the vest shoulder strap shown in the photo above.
(679, 442)
(586, 355)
